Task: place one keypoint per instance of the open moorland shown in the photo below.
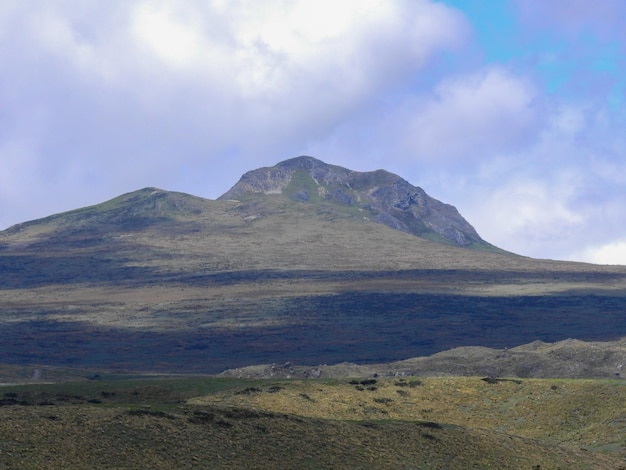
(112, 421)
(354, 322)
(158, 281)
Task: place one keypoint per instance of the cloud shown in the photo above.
(177, 41)
(102, 98)
(610, 253)
(573, 17)
(556, 191)
(527, 214)
(577, 48)
(474, 116)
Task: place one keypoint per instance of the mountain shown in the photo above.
(382, 196)
(302, 262)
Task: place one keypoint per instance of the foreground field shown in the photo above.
(428, 423)
(581, 413)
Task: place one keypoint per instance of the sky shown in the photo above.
(510, 110)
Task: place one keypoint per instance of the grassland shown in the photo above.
(158, 281)
(579, 413)
(415, 423)
(168, 283)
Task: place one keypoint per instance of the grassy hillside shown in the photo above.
(363, 423)
(579, 413)
(164, 281)
(295, 286)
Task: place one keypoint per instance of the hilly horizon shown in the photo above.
(303, 261)
(313, 235)
(378, 195)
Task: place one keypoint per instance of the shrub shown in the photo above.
(306, 397)
(383, 401)
(248, 391)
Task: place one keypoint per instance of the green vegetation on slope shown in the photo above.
(216, 423)
(167, 282)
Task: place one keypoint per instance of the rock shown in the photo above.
(382, 196)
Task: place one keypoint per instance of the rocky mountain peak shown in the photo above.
(380, 195)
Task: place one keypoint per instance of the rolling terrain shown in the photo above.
(451, 423)
(303, 262)
(349, 321)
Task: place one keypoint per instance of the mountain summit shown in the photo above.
(381, 196)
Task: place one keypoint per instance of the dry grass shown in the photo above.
(155, 281)
(208, 285)
(574, 412)
(446, 423)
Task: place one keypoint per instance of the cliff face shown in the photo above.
(382, 196)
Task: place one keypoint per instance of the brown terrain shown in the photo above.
(305, 277)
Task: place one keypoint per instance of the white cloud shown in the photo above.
(106, 97)
(15, 159)
(610, 253)
(174, 40)
(473, 117)
(99, 98)
(299, 54)
(525, 214)
(303, 51)
(569, 120)
(549, 200)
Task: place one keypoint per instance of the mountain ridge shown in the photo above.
(380, 196)
(303, 279)
(385, 197)
(157, 280)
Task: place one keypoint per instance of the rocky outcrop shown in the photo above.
(382, 196)
(567, 359)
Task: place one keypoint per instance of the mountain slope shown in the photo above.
(379, 195)
(155, 280)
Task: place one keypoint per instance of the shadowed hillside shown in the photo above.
(155, 280)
